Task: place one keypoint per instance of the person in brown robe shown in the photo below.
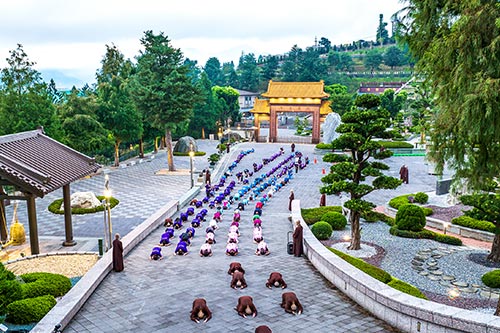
(117, 254)
(403, 174)
(263, 329)
(298, 240)
(291, 198)
(322, 200)
(207, 177)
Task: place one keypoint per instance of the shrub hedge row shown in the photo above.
(469, 222)
(373, 216)
(313, 215)
(10, 291)
(380, 274)
(196, 153)
(425, 234)
(40, 284)
(29, 310)
(55, 206)
(385, 144)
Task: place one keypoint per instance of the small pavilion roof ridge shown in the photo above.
(38, 164)
(295, 90)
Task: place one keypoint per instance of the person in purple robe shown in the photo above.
(181, 249)
(156, 254)
(165, 239)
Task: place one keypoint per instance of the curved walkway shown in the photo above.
(152, 296)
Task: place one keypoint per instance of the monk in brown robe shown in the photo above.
(117, 254)
(291, 303)
(276, 279)
(298, 240)
(322, 200)
(291, 198)
(235, 266)
(238, 280)
(246, 307)
(263, 329)
(200, 311)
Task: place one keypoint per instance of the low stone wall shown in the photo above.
(452, 228)
(69, 305)
(400, 310)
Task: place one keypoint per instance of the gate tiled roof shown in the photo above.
(295, 90)
(39, 164)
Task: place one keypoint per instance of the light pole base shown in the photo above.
(69, 243)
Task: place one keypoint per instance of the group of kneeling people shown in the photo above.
(245, 306)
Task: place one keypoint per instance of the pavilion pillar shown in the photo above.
(256, 124)
(68, 224)
(3, 222)
(273, 125)
(316, 133)
(33, 227)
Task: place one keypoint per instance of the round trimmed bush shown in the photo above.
(322, 230)
(39, 284)
(410, 217)
(10, 291)
(336, 220)
(29, 310)
(492, 279)
(5, 274)
(421, 197)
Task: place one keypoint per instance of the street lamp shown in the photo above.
(191, 155)
(107, 195)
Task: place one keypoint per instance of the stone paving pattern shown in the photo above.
(156, 296)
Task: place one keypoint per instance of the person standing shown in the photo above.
(207, 177)
(298, 239)
(403, 174)
(291, 198)
(322, 200)
(117, 254)
(293, 147)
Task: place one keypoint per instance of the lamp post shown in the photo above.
(191, 155)
(107, 195)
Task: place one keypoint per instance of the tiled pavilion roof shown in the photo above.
(39, 164)
(295, 90)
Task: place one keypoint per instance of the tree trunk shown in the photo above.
(163, 142)
(203, 133)
(497, 311)
(141, 148)
(117, 153)
(495, 250)
(156, 145)
(168, 146)
(355, 231)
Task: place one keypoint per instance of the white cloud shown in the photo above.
(71, 35)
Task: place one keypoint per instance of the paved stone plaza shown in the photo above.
(154, 296)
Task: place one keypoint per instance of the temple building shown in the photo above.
(291, 97)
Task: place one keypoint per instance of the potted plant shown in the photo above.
(213, 159)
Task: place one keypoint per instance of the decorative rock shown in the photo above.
(485, 294)
(417, 263)
(184, 143)
(434, 268)
(437, 256)
(424, 273)
(445, 283)
(332, 121)
(476, 285)
(420, 258)
(448, 277)
(84, 200)
(434, 278)
(431, 264)
(417, 268)
(436, 272)
(460, 284)
(468, 290)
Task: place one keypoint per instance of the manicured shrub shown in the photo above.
(323, 145)
(373, 271)
(410, 217)
(39, 284)
(29, 310)
(336, 220)
(395, 144)
(55, 206)
(373, 216)
(322, 230)
(421, 197)
(469, 222)
(5, 274)
(427, 211)
(492, 279)
(406, 288)
(397, 202)
(10, 291)
(313, 215)
(425, 234)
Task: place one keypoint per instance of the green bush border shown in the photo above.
(398, 201)
(426, 234)
(470, 222)
(313, 215)
(196, 153)
(373, 216)
(385, 144)
(29, 310)
(41, 283)
(379, 274)
(492, 278)
(55, 206)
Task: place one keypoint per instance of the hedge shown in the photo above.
(395, 144)
(421, 197)
(469, 222)
(336, 220)
(323, 145)
(55, 206)
(313, 215)
(29, 310)
(373, 216)
(373, 271)
(5, 274)
(406, 288)
(410, 217)
(39, 284)
(196, 153)
(10, 291)
(322, 230)
(425, 234)
(396, 202)
(492, 279)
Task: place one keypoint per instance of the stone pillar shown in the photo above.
(256, 124)
(316, 133)
(273, 125)
(33, 227)
(3, 222)
(68, 224)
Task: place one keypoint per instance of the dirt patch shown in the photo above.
(70, 265)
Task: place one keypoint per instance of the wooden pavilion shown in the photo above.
(291, 97)
(33, 164)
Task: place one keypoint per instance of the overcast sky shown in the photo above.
(70, 35)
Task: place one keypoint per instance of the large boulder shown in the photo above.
(183, 145)
(84, 200)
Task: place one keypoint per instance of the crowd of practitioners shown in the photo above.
(217, 216)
